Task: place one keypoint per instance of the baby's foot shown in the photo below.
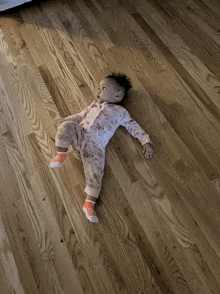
(58, 160)
(88, 208)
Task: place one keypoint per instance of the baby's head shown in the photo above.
(114, 88)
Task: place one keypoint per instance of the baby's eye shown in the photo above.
(104, 87)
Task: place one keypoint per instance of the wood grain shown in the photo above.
(159, 224)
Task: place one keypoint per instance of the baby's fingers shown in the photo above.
(149, 155)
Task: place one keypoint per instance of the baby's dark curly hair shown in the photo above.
(122, 81)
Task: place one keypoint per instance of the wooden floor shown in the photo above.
(159, 219)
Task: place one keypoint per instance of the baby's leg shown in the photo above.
(68, 132)
(93, 163)
(93, 158)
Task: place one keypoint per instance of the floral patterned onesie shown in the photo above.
(88, 133)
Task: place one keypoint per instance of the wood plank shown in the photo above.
(10, 280)
(40, 52)
(123, 231)
(47, 246)
(205, 46)
(68, 235)
(182, 97)
(35, 80)
(103, 37)
(19, 260)
(213, 5)
(73, 198)
(195, 76)
(61, 51)
(203, 12)
(181, 234)
(58, 19)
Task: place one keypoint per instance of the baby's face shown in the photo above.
(109, 91)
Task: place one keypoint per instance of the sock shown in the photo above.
(88, 208)
(90, 201)
(58, 160)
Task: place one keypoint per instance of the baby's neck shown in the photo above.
(103, 101)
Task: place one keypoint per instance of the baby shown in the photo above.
(89, 131)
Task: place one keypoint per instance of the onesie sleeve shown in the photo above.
(134, 128)
(77, 118)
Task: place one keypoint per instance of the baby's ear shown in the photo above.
(120, 94)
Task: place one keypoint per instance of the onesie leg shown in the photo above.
(68, 133)
(93, 158)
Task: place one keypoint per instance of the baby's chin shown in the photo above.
(100, 100)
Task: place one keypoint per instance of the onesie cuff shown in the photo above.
(61, 143)
(145, 140)
(92, 192)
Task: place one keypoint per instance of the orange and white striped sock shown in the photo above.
(88, 208)
(58, 160)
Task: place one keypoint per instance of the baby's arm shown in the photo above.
(137, 132)
(77, 118)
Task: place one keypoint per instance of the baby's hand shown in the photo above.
(148, 150)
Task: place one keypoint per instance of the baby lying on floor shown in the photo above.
(89, 131)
